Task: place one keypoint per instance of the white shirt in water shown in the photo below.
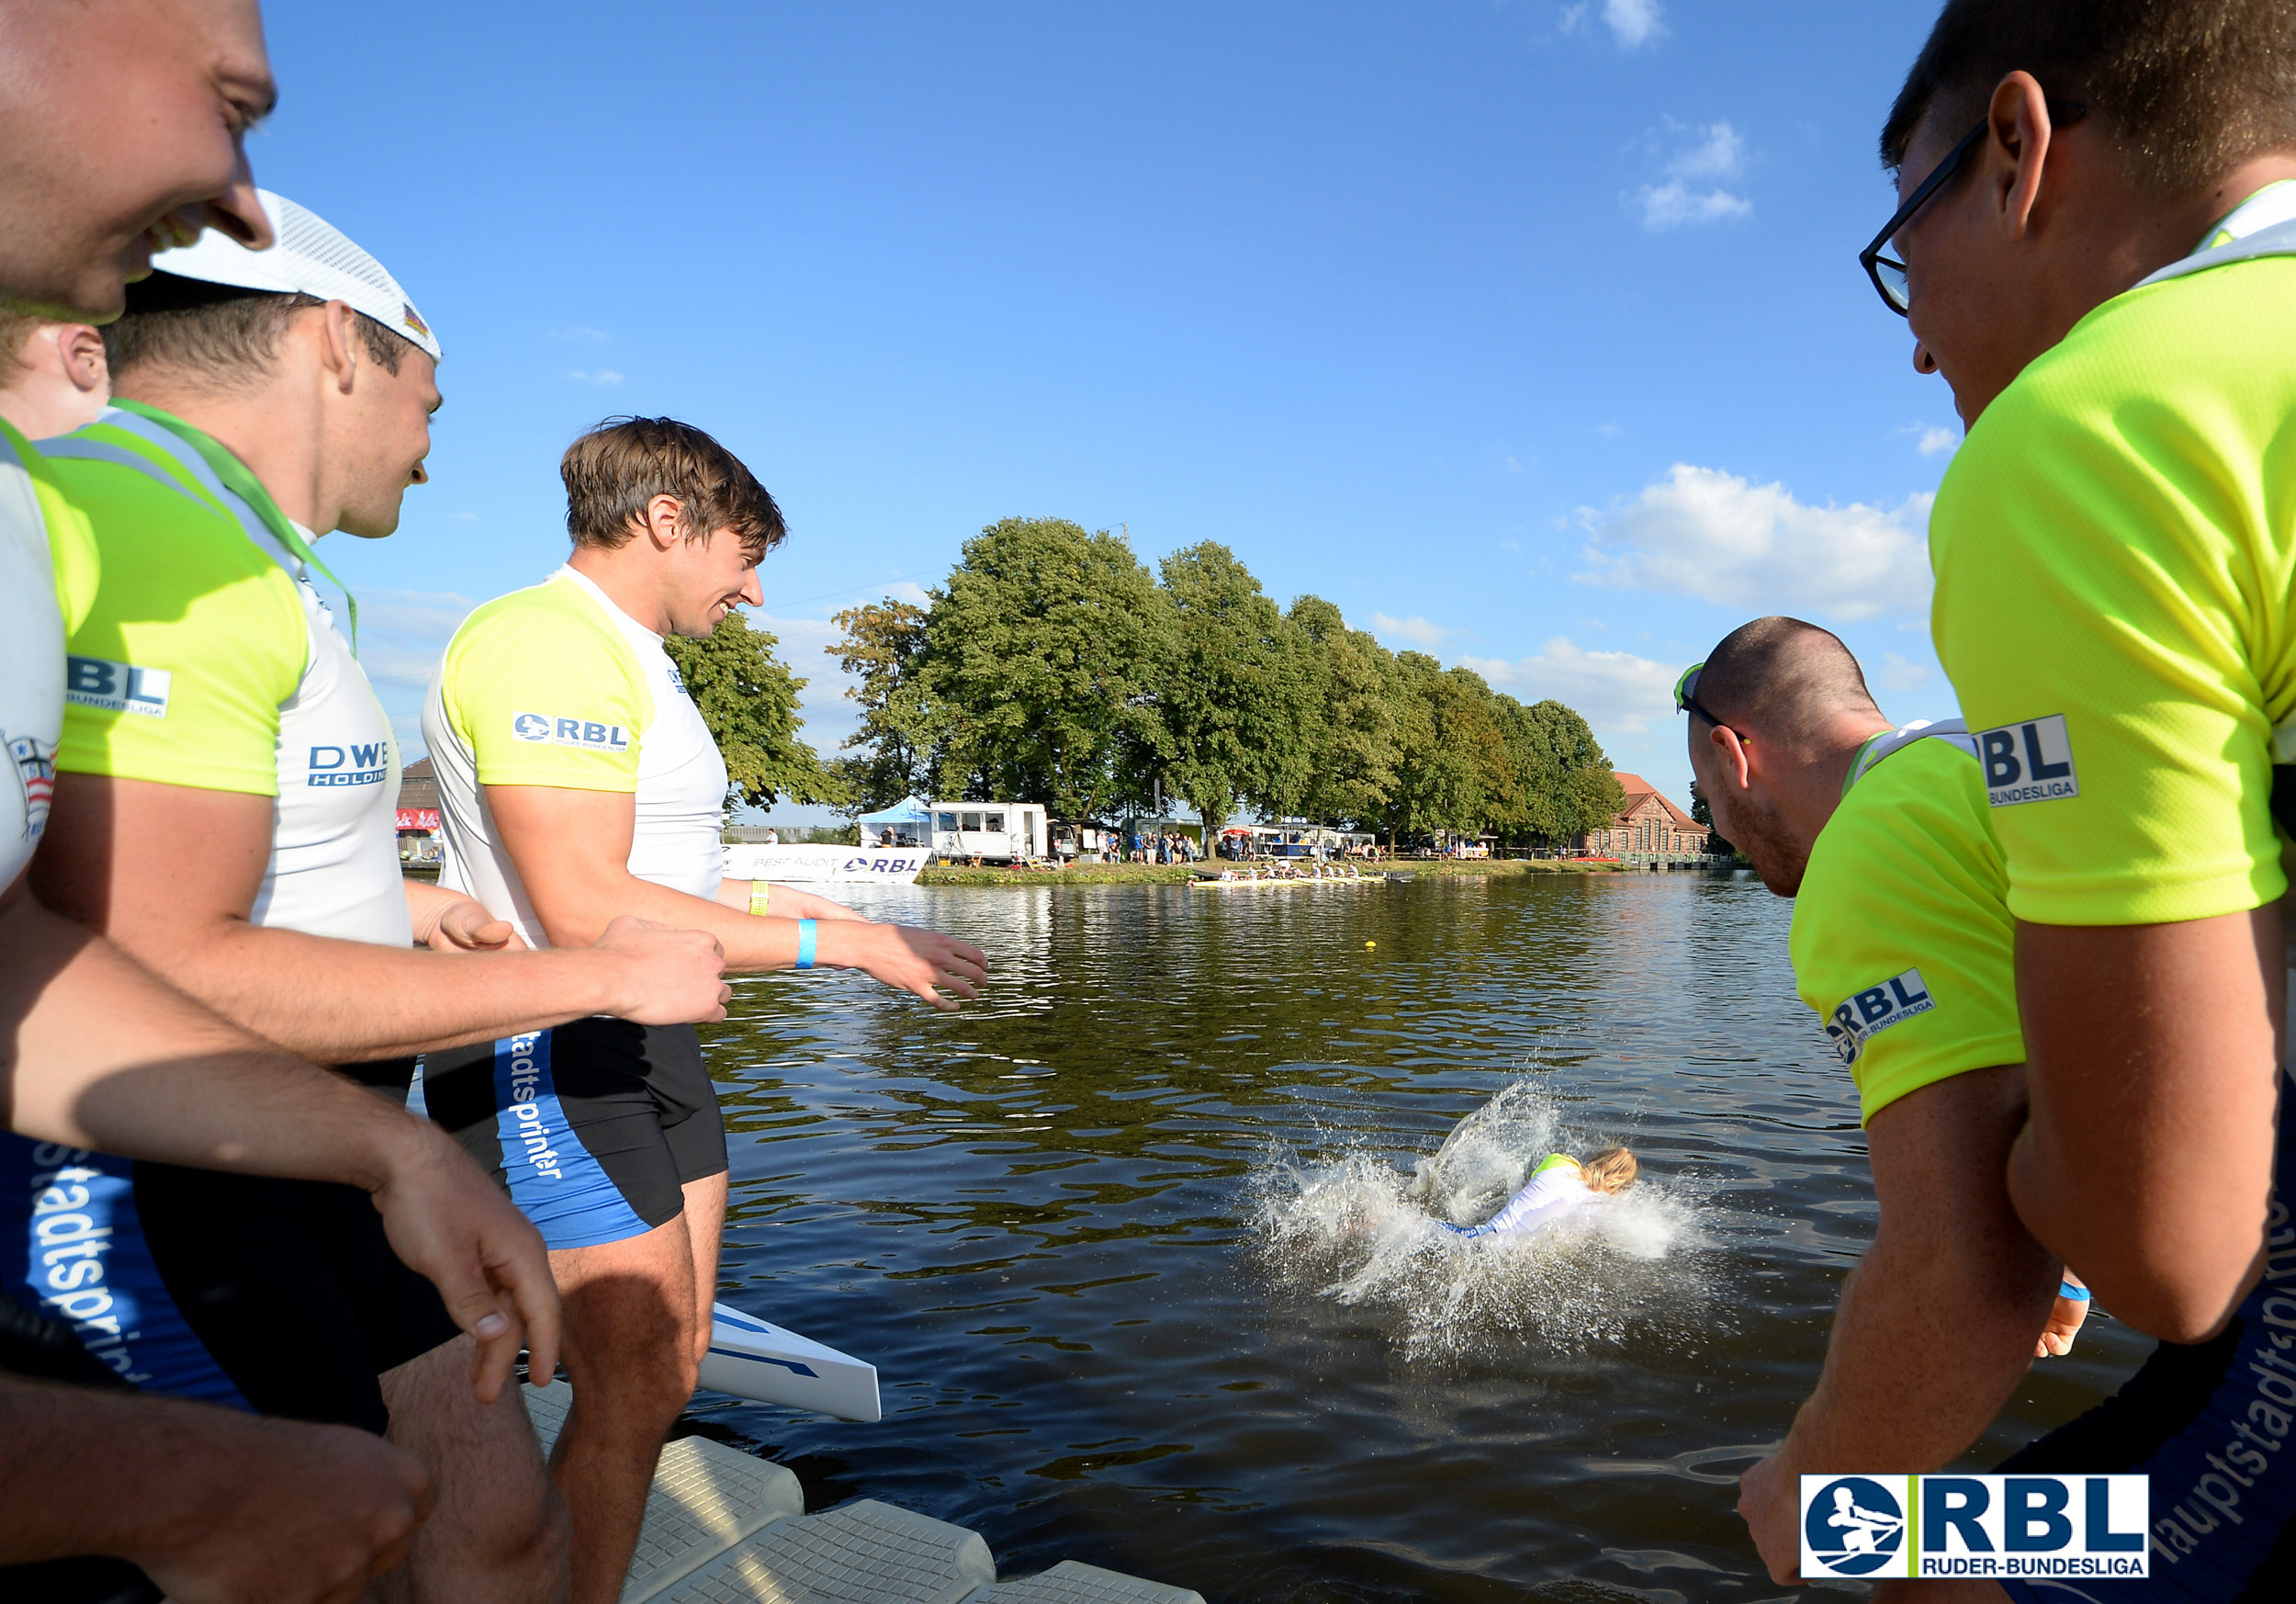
(1555, 1189)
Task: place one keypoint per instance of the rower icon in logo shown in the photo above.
(1854, 1526)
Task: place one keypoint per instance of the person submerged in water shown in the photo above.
(1558, 1188)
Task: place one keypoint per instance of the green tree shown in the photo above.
(1041, 659)
(1351, 765)
(1235, 707)
(1567, 783)
(900, 737)
(748, 697)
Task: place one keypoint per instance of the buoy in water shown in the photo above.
(1369, 946)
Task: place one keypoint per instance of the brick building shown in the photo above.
(1647, 827)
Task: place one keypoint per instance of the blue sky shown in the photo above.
(1531, 334)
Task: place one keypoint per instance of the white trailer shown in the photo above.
(995, 832)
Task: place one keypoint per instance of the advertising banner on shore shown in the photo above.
(824, 865)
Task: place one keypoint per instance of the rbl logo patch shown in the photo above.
(2032, 761)
(587, 733)
(117, 687)
(1867, 1014)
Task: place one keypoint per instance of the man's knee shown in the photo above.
(495, 1496)
(631, 1317)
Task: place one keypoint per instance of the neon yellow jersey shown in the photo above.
(1902, 938)
(191, 640)
(205, 661)
(540, 689)
(2115, 548)
(557, 685)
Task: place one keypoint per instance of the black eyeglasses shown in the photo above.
(1686, 699)
(1888, 274)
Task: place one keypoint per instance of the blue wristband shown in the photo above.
(2078, 1295)
(807, 933)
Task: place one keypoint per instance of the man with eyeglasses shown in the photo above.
(1902, 946)
(2098, 252)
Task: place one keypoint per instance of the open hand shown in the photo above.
(909, 959)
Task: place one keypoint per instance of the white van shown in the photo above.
(995, 832)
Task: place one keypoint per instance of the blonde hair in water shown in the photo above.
(1612, 1170)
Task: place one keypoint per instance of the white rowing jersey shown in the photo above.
(554, 685)
(207, 658)
(31, 651)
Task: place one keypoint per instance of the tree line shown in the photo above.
(1054, 667)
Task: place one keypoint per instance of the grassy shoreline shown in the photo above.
(1176, 874)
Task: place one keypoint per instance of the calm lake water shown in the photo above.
(1095, 1233)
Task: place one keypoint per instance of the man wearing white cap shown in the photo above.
(124, 121)
(224, 811)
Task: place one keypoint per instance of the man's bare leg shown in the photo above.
(499, 1534)
(706, 1228)
(630, 1354)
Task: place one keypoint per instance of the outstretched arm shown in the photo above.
(1937, 1323)
(572, 851)
(171, 872)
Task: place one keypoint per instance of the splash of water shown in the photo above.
(1351, 1226)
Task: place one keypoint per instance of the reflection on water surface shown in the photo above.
(1045, 1220)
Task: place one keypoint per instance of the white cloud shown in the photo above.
(1415, 629)
(1933, 441)
(1692, 191)
(1634, 23)
(579, 332)
(1701, 532)
(829, 714)
(1617, 692)
(403, 633)
(1900, 673)
(1674, 205)
(1720, 152)
(602, 376)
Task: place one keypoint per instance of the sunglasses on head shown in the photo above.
(1686, 700)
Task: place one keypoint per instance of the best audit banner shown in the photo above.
(1990, 1527)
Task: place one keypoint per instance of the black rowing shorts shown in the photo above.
(595, 1127)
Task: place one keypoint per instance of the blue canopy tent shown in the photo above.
(910, 811)
(908, 823)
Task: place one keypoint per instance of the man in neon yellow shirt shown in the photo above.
(1901, 946)
(578, 781)
(2093, 247)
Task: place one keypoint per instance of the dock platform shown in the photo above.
(724, 1527)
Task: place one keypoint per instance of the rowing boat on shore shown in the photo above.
(1254, 878)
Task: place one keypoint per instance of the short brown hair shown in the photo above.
(2189, 88)
(613, 471)
(219, 331)
(15, 329)
(1784, 678)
